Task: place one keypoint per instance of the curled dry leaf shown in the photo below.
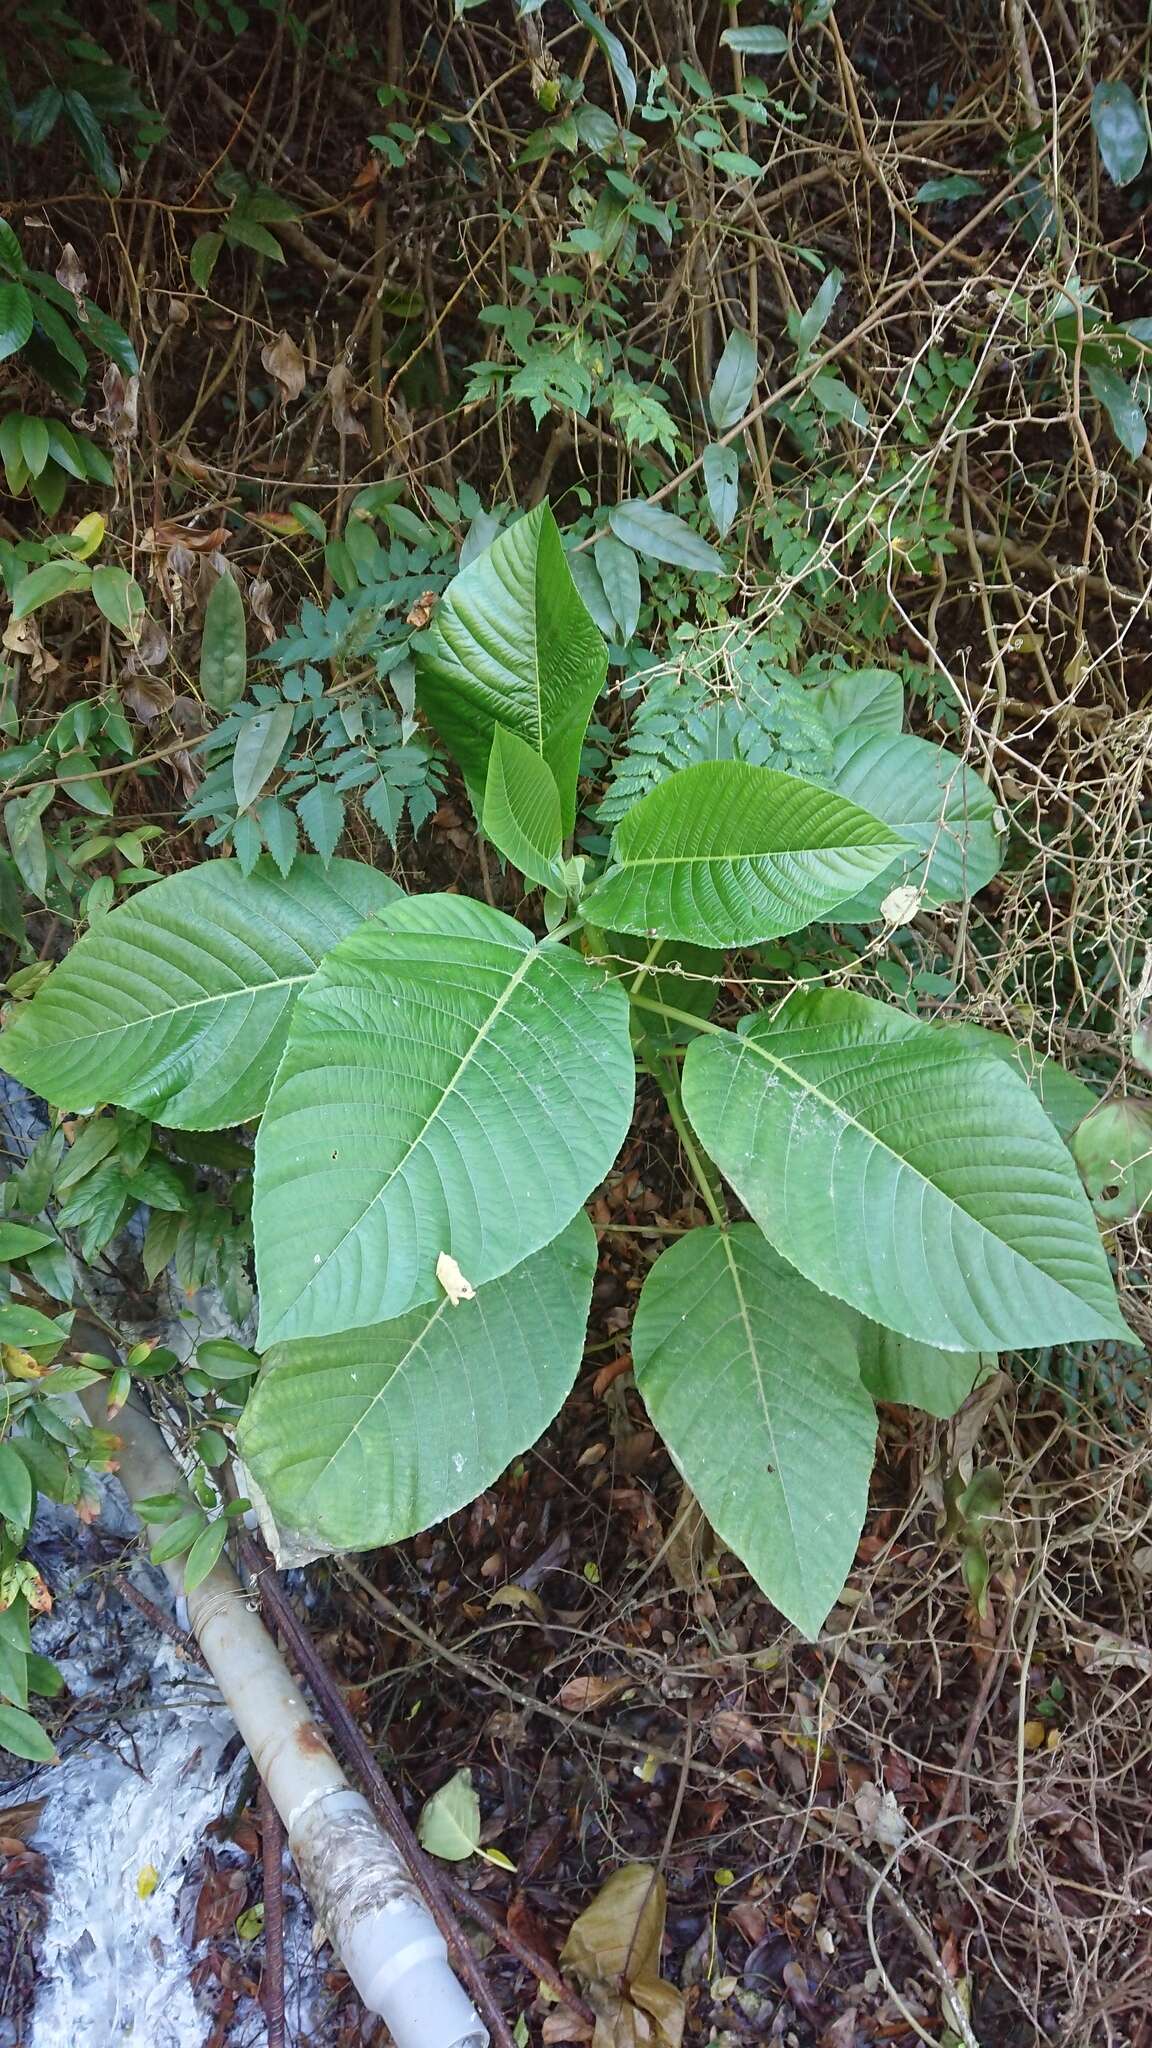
(583, 1695)
(22, 637)
(422, 610)
(283, 361)
(615, 1947)
(260, 598)
(121, 402)
(150, 650)
(338, 386)
(70, 274)
(173, 533)
(452, 1280)
(148, 696)
(881, 1821)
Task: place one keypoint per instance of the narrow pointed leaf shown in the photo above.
(937, 804)
(449, 1086)
(721, 481)
(223, 646)
(734, 382)
(751, 1377)
(366, 1437)
(258, 748)
(620, 581)
(177, 1003)
(663, 537)
(512, 644)
(726, 854)
(912, 1177)
(522, 810)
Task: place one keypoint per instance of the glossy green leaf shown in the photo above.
(35, 445)
(663, 537)
(24, 1737)
(366, 1437)
(120, 598)
(205, 1553)
(16, 1494)
(17, 1240)
(522, 810)
(44, 585)
(917, 1180)
(177, 1003)
(1121, 404)
(259, 745)
(512, 644)
(92, 139)
(734, 382)
(449, 1086)
(223, 646)
(722, 483)
(1121, 131)
(15, 318)
(751, 1377)
(726, 854)
(934, 802)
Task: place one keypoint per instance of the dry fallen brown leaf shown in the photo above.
(584, 1695)
(615, 1947)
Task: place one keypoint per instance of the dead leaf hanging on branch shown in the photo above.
(283, 361)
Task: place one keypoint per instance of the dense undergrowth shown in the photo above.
(824, 333)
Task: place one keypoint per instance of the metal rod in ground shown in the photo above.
(350, 1738)
(272, 1859)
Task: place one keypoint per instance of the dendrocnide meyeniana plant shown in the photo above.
(440, 1092)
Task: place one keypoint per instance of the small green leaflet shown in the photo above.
(449, 1826)
(756, 42)
(833, 396)
(663, 537)
(259, 745)
(120, 599)
(321, 812)
(522, 810)
(721, 481)
(223, 647)
(957, 186)
(1121, 131)
(44, 585)
(734, 382)
(24, 1737)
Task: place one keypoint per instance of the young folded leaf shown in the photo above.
(512, 644)
(725, 854)
(522, 810)
(177, 1003)
(370, 1436)
(751, 1377)
(449, 1085)
(916, 1179)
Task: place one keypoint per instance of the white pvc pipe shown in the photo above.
(361, 1890)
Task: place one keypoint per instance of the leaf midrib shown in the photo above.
(230, 995)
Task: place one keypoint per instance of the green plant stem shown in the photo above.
(663, 1071)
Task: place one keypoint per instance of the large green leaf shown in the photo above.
(898, 1369)
(522, 810)
(1064, 1096)
(365, 1438)
(449, 1086)
(751, 1378)
(177, 1004)
(512, 644)
(937, 804)
(916, 1179)
(726, 854)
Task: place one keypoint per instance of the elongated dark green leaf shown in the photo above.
(663, 537)
(24, 1737)
(896, 1168)
(751, 1377)
(223, 646)
(44, 585)
(522, 810)
(15, 319)
(177, 1003)
(620, 580)
(512, 644)
(613, 49)
(812, 323)
(16, 1494)
(1121, 131)
(721, 481)
(727, 854)
(449, 1086)
(934, 802)
(257, 752)
(120, 598)
(367, 1437)
(734, 382)
(1121, 405)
